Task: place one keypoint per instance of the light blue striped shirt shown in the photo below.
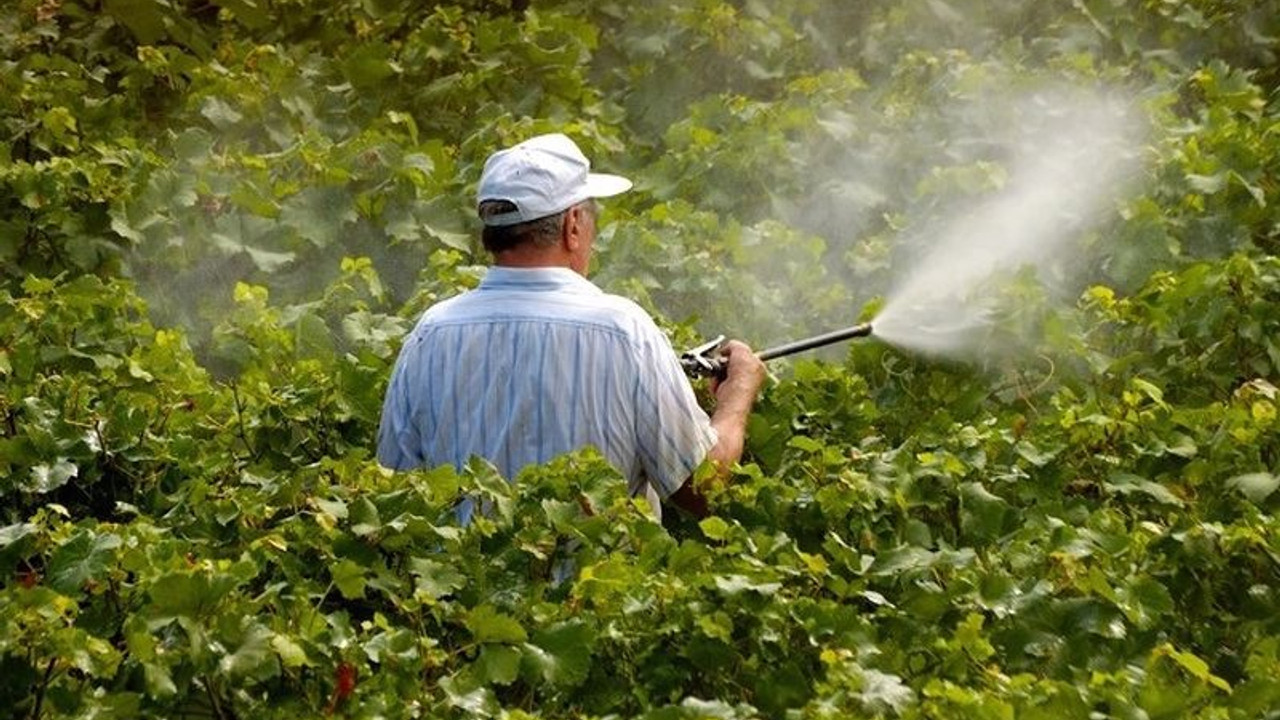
(536, 362)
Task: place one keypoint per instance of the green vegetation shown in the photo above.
(217, 219)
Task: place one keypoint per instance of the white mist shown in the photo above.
(1068, 162)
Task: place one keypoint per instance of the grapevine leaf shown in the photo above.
(365, 519)
(450, 238)
(884, 691)
(1255, 486)
(1193, 664)
(392, 645)
(1208, 184)
(368, 64)
(182, 595)
(349, 577)
(253, 657)
(47, 478)
(715, 528)
(268, 260)
(312, 338)
(220, 113)
(781, 687)
(83, 558)
(142, 17)
(15, 542)
(906, 558)
(1129, 484)
(159, 680)
(736, 584)
(1035, 455)
(336, 509)
(436, 579)
(498, 664)
(466, 696)
(377, 331)
(561, 654)
(488, 625)
(290, 652)
(1145, 601)
(982, 513)
(319, 214)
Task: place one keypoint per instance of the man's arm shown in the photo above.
(735, 396)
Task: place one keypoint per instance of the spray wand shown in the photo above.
(705, 360)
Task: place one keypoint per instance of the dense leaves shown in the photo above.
(217, 220)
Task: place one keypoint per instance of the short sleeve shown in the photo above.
(673, 433)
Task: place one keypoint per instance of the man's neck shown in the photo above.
(533, 258)
(515, 259)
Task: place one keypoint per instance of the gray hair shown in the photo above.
(540, 232)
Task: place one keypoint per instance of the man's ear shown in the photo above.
(571, 232)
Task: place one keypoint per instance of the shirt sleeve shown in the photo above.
(673, 433)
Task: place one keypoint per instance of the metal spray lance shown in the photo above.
(706, 361)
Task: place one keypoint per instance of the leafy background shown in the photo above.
(218, 218)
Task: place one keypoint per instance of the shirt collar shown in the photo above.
(499, 277)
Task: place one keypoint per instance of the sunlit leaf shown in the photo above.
(1255, 486)
(47, 478)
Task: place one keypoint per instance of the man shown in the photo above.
(538, 361)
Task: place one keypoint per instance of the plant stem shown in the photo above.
(44, 686)
(244, 437)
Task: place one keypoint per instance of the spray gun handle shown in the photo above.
(705, 360)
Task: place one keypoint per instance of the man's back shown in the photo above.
(535, 363)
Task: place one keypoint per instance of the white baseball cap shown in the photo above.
(542, 176)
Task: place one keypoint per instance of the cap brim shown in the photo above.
(602, 185)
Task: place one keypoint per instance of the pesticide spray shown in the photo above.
(1064, 175)
(1067, 163)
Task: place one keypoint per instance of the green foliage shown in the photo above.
(218, 220)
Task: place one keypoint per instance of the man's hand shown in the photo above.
(744, 375)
